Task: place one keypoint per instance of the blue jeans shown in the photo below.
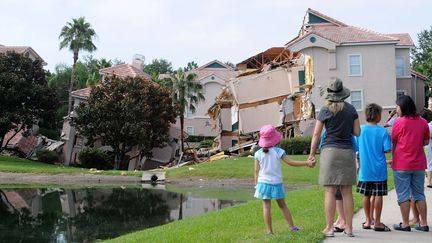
(409, 183)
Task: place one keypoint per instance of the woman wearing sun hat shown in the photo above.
(268, 175)
(337, 159)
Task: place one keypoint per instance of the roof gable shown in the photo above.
(315, 17)
(215, 64)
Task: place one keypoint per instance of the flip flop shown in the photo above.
(348, 235)
(338, 230)
(365, 227)
(382, 229)
(430, 186)
(329, 234)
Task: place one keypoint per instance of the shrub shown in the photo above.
(296, 145)
(50, 133)
(46, 156)
(193, 138)
(95, 158)
(207, 143)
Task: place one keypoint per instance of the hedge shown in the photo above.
(295, 145)
(95, 158)
(46, 156)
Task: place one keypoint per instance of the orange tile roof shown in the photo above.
(221, 73)
(224, 73)
(341, 33)
(82, 93)
(20, 50)
(404, 39)
(125, 70)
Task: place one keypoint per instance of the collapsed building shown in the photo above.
(274, 87)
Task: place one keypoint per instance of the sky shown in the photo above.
(188, 30)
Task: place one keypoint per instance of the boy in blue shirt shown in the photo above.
(373, 142)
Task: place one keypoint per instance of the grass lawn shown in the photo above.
(14, 164)
(244, 223)
(243, 168)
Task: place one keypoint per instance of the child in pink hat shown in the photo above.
(268, 175)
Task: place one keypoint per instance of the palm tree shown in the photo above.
(78, 36)
(186, 93)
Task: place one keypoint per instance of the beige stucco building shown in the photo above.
(374, 66)
(213, 76)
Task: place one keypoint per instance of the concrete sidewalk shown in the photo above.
(390, 215)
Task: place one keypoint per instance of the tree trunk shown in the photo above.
(72, 81)
(181, 207)
(1, 144)
(181, 132)
(118, 159)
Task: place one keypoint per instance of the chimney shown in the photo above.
(138, 61)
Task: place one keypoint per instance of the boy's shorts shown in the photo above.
(372, 188)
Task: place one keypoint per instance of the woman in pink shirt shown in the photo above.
(409, 134)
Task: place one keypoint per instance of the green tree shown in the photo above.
(186, 94)
(93, 66)
(25, 96)
(228, 63)
(190, 66)
(77, 36)
(124, 113)
(422, 54)
(158, 66)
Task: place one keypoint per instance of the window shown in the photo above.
(400, 66)
(400, 93)
(189, 113)
(190, 130)
(357, 99)
(355, 65)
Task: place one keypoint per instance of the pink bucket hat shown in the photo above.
(269, 137)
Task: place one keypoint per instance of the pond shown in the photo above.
(90, 214)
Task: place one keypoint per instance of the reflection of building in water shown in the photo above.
(191, 206)
(84, 215)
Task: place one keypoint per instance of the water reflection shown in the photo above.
(85, 215)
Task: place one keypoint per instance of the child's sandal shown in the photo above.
(294, 229)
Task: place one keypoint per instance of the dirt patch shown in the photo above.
(67, 179)
(210, 182)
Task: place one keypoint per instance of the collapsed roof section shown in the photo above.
(274, 55)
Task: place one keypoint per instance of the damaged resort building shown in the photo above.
(280, 86)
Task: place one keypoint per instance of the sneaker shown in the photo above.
(422, 228)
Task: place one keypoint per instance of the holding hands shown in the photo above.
(311, 161)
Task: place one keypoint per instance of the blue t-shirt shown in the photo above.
(373, 142)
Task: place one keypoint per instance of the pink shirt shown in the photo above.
(409, 134)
